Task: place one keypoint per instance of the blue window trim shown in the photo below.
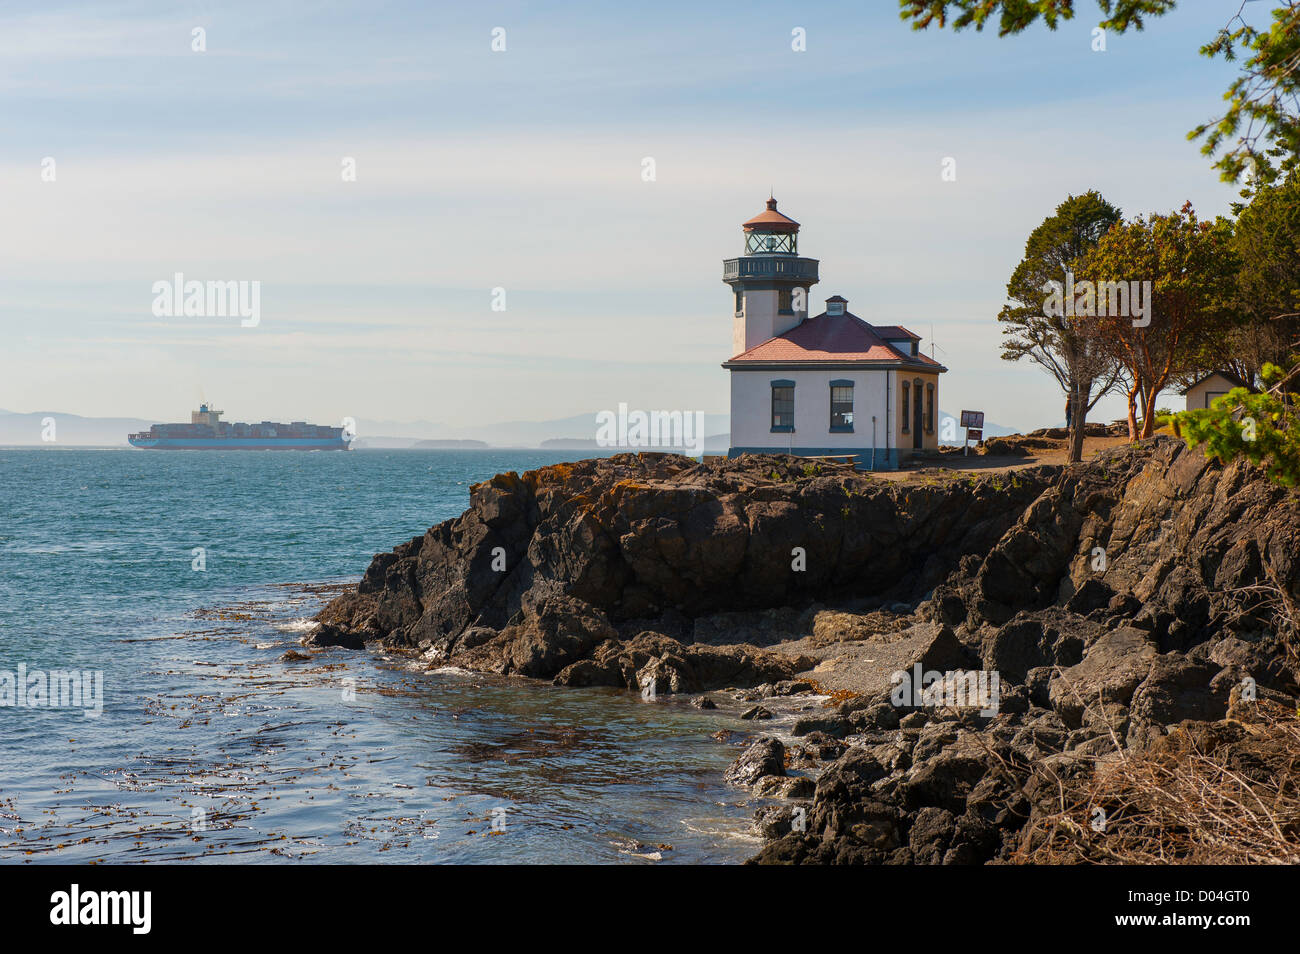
(841, 428)
(782, 428)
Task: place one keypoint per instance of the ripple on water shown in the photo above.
(348, 757)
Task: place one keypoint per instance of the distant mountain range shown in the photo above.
(68, 429)
(567, 433)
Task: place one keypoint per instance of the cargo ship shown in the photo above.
(206, 431)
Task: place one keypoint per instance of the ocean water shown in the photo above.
(210, 748)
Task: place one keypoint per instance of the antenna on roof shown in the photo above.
(932, 344)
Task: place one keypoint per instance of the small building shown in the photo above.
(1213, 385)
(829, 385)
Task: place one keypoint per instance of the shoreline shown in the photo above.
(636, 572)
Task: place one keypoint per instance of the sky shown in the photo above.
(523, 169)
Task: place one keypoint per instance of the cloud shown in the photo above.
(523, 171)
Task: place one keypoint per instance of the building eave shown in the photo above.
(833, 365)
(1227, 376)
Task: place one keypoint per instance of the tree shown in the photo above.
(1188, 269)
(1268, 243)
(1266, 324)
(1261, 124)
(1262, 427)
(1015, 15)
(1066, 347)
(1262, 120)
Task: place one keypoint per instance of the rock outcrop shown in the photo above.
(1140, 598)
(642, 566)
(1113, 601)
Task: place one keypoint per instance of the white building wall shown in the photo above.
(1215, 386)
(751, 410)
(760, 320)
(756, 323)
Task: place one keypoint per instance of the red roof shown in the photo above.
(834, 338)
(895, 331)
(771, 221)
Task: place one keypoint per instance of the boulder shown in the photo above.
(830, 725)
(328, 634)
(1176, 689)
(1111, 671)
(932, 833)
(764, 757)
(1263, 658)
(1032, 640)
(554, 634)
(773, 821)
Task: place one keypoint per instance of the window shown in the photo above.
(929, 409)
(760, 242)
(783, 405)
(740, 302)
(783, 303)
(842, 406)
(907, 406)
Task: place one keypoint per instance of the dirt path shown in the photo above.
(992, 463)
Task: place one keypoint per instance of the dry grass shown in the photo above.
(1209, 793)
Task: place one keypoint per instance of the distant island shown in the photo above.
(18, 429)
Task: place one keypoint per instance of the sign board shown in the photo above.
(975, 434)
(972, 419)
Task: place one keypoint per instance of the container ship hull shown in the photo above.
(206, 431)
(236, 443)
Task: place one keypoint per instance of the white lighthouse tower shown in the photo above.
(770, 282)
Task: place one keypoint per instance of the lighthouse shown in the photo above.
(828, 385)
(770, 281)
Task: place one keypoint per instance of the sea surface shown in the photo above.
(210, 747)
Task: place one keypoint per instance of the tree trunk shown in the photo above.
(1151, 394)
(1131, 394)
(1078, 413)
(1148, 412)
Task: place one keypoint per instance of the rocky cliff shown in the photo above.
(1113, 601)
(1140, 612)
(544, 569)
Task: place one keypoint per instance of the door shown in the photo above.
(918, 416)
